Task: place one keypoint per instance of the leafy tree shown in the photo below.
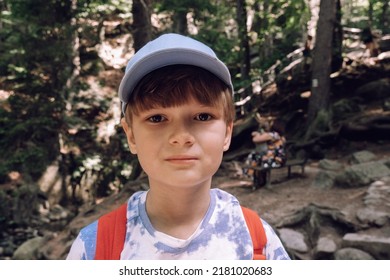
(179, 10)
(40, 64)
(371, 13)
(279, 27)
(38, 55)
(378, 14)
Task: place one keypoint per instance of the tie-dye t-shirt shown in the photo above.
(222, 234)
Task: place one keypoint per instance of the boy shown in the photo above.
(178, 118)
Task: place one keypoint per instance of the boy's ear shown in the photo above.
(129, 135)
(228, 136)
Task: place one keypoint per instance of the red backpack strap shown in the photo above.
(111, 233)
(256, 230)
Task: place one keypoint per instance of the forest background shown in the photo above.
(61, 62)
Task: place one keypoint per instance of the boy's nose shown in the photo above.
(181, 135)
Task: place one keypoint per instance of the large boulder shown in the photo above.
(362, 174)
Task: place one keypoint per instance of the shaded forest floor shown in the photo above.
(288, 195)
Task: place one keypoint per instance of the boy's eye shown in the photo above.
(203, 117)
(156, 118)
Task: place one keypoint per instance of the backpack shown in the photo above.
(112, 230)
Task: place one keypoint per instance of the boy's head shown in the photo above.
(171, 70)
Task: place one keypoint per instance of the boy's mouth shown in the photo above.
(180, 159)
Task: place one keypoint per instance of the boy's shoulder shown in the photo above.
(222, 197)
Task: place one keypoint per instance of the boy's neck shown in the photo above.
(177, 212)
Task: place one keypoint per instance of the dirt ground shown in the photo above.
(288, 195)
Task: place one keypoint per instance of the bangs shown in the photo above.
(172, 86)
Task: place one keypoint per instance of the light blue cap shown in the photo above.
(170, 49)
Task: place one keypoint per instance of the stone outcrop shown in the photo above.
(315, 232)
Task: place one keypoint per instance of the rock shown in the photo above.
(375, 90)
(29, 249)
(328, 171)
(384, 56)
(377, 246)
(345, 107)
(293, 240)
(384, 43)
(58, 213)
(324, 179)
(328, 164)
(386, 104)
(352, 254)
(362, 174)
(370, 216)
(325, 248)
(361, 157)
(377, 202)
(378, 196)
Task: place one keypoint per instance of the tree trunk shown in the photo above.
(180, 22)
(142, 25)
(245, 64)
(322, 59)
(2, 8)
(68, 94)
(370, 12)
(261, 27)
(337, 50)
(385, 17)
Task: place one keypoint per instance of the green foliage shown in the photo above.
(102, 8)
(26, 146)
(198, 7)
(281, 22)
(18, 205)
(213, 20)
(357, 14)
(35, 64)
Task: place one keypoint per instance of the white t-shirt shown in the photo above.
(222, 234)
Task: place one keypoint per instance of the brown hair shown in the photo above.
(174, 85)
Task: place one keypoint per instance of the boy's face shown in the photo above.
(179, 146)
